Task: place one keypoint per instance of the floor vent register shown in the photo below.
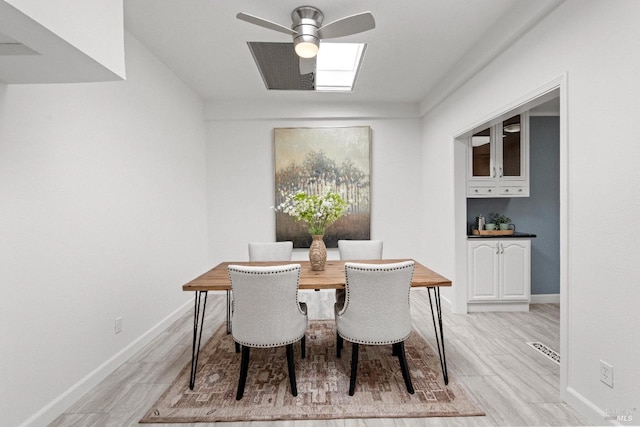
(546, 351)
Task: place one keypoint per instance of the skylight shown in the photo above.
(337, 66)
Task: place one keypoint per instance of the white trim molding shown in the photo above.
(545, 299)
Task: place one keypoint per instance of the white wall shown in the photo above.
(596, 44)
(95, 27)
(103, 202)
(102, 214)
(241, 183)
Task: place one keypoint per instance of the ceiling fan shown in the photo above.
(307, 30)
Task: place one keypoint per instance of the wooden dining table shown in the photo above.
(332, 277)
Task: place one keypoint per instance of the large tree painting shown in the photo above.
(315, 160)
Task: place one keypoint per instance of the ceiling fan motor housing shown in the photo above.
(306, 21)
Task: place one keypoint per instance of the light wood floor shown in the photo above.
(486, 352)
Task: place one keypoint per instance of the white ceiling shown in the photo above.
(419, 51)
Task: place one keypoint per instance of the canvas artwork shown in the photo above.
(315, 160)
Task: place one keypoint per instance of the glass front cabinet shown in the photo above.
(498, 159)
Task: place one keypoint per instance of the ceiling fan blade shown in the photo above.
(348, 25)
(264, 23)
(307, 65)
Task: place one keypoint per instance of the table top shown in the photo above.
(332, 277)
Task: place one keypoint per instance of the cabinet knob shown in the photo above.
(506, 190)
(520, 190)
(476, 190)
(489, 191)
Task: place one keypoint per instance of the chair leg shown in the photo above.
(292, 370)
(303, 344)
(237, 348)
(339, 345)
(354, 368)
(394, 349)
(244, 367)
(404, 367)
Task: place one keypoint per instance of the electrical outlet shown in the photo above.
(606, 373)
(118, 325)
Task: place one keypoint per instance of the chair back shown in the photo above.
(376, 308)
(360, 249)
(266, 309)
(270, 251)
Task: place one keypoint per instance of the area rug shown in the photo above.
(323, 384)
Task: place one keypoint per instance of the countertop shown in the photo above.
(507, 236)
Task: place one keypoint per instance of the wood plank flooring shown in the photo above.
(486, 352)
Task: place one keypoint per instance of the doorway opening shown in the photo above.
(552, 94)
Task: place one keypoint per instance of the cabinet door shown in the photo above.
(482, 155)
(515, 270)
(512, 148)
(483, 270)
(498, 159)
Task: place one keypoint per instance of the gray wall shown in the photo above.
(539, 213)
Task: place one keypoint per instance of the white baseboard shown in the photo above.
(57, 406)
(545, 299)
(446, 302)
(497, 307)
(594, 415)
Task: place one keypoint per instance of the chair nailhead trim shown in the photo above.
(248, 344)
(266, 272)
(373, 342)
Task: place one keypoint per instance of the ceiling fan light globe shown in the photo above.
(306, 49)
(306, 45)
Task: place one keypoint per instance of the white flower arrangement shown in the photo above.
(318, 211)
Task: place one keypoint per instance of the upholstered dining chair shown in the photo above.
(270, 251)
(263, 251)
(375, 312)
(360, 250)
(267, 313)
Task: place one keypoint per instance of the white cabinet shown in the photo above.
(499, 274)
(498, 159)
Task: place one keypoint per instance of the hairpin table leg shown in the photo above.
(228, 311)
(198, 322)
(438, 331)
